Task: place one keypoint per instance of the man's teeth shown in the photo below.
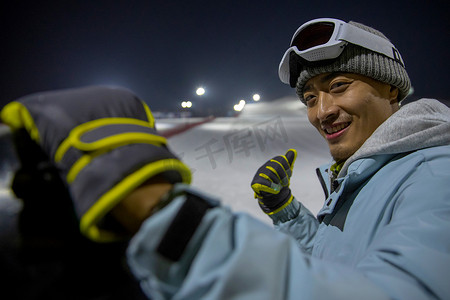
(336, 128)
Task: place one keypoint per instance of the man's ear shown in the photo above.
(393, 94)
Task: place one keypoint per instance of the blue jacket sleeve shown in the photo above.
(234, 256)
(298, 222)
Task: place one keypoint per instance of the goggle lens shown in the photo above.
(313, 35)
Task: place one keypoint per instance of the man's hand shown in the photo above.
(271, 182)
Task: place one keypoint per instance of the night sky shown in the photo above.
(164, 50)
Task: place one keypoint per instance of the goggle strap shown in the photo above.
(358, 36)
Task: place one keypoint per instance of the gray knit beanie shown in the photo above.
(356, 59)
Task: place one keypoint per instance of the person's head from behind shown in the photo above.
(101, 144)
(350, 77)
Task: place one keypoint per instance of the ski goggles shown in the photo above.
(325, 38)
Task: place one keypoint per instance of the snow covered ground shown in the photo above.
(225, 153)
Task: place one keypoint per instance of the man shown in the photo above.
(387, 201)
(184, 245)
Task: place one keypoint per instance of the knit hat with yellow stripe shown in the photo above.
(103, 142)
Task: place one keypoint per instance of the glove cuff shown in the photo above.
(289, 212)
(272, 205)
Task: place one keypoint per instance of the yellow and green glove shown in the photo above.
(271, 182)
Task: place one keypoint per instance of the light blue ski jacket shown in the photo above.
(383, 232)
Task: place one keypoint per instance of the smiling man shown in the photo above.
(346, 109)
(387, 210)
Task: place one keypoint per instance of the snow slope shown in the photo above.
(225, 153)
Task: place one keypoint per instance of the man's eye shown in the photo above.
(309, 99)
(339, 84)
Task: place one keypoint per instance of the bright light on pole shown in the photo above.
(240, 106)
(186, 104)
(256, 97)
(200, 91)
